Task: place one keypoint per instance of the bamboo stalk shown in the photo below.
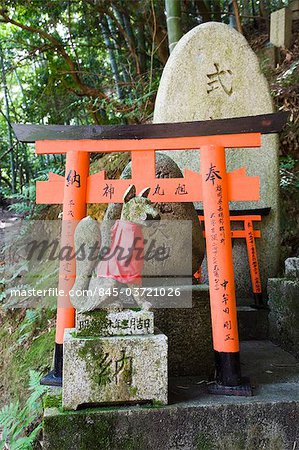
(174, 26)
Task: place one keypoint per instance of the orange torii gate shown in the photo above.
(214, 187)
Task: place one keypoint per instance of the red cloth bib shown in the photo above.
(125, 260)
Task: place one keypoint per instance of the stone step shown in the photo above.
(194, 419)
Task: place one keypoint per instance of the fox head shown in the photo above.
(138, 208)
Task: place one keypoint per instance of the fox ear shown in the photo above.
(145, 192)
(129, 194)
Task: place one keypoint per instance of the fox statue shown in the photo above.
(94, 291)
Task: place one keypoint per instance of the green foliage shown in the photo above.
(86, 62)
(20, 427)
(28, 325)
(52, 401)
(289, 175)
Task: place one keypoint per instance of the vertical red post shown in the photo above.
(253, 263)
(74, 209)
(220, 267)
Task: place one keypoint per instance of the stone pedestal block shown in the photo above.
(281, 28)
(114, 370)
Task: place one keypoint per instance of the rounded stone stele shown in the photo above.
(166, 168)
(213, 74)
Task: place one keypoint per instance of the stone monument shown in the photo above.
(114, 355)
(281, 28)
(212, 74)
(114, 358)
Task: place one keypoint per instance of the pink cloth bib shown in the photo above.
(125, 260)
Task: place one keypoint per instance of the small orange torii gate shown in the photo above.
(247, 218)
(213, 186)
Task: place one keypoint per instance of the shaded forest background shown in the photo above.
(90, 62)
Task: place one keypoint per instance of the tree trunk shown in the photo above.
(237, 16)
(174, 25)
(106, 35)
(7, 116)
(141, 45)
(253, 13)
(265, 13)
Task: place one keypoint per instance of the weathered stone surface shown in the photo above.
(292, 268)
(188, 329)
(252, 323)
(251, 426)
(193, 420)
(211, 74)
(123, 323)
(284, 313)
(268, 57)
(167, 168)
(118, 369)
(281, 28)
(294, 7)
(189, 335)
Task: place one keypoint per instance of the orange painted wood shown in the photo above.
(253, 218)
(49, 192)
(240, 234)
(74, 209)
(252, 258)
(249, 234)
(132, 145)
(219, 249)
(237, 234)
(187, 189)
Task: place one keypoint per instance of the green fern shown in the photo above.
(15, 420)
(27, 326)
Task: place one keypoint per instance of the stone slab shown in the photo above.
(252, 323)
(284, 313)
(294, 7)
(195, 420)
(269, 57)
(114, 370)
(292, 268)
(281, 27)
(212, 74)
(189, 335)
(122, 323)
